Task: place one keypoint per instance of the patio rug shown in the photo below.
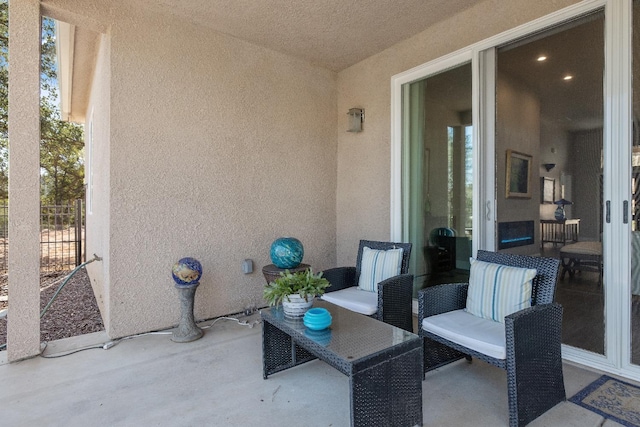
(613, 399)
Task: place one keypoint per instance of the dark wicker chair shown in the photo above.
(394, 294)
(533, 338)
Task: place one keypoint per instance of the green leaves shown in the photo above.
(304, 283)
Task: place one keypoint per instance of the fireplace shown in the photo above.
(515, 233)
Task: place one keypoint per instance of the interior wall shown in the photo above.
(517, 129)
(363, 198)
(586, 158)
(554, 148)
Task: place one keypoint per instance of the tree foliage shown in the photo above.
(61, 143)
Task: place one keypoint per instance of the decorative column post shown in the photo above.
(23, 331)
(186, 273)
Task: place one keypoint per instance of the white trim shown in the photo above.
(484, 167)
(617, 171)
(89, 165)
(65, 43)
(397, 82)
(395, 197)
(599, 362)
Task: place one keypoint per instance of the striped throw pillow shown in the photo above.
(378, 265)
(497, 290)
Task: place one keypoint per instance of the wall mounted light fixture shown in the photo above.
(356, 118)
(549, 166)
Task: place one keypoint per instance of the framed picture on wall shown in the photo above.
(547, 190)
(518, 180)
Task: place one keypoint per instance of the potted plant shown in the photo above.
(295, 291)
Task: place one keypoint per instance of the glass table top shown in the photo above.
(351, 336)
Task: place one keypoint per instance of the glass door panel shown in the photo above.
(635, 193)
(549, 134)
(437, 176)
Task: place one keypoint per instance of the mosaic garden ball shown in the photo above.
(187, 271)
(286, 252)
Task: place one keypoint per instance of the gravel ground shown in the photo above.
(74, 312)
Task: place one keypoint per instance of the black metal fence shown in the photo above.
(62, 235)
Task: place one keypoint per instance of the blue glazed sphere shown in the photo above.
(286, 252)
(187, 271)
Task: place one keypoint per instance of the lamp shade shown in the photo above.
(356, 117)
(563, 202)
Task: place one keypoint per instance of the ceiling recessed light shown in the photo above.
(541, 58)
(568, 77)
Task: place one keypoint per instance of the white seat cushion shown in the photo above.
(482, 335)
(354, 299)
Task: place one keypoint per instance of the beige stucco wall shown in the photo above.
(97, 178)
(363, 197)
(215, 148)
(23, 334)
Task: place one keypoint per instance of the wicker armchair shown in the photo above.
(532, 338)
(394, 294)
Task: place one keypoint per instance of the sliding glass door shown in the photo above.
(634, 197)
(437, 165)
(550, 117)
(539, 156)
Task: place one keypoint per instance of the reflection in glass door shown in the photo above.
(437, 174)
(549, 109)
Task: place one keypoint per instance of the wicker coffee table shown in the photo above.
(383, 363)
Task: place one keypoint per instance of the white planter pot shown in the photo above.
(296, 306)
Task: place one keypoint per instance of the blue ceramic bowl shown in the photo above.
(317, 318)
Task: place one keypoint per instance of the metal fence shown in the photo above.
(61, 236)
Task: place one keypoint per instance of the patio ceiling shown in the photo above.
(333, 34)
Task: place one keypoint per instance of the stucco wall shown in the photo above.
(23, 334)
(364, 159)
(97, 178)
(215, 148)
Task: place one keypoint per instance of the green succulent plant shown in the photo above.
(304, 283)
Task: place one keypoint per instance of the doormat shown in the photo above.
(613, 399)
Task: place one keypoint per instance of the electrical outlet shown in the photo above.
(250, 309)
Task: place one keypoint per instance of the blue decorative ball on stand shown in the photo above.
(286, 252)
(187, 272)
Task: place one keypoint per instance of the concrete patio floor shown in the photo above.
(217, 381)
